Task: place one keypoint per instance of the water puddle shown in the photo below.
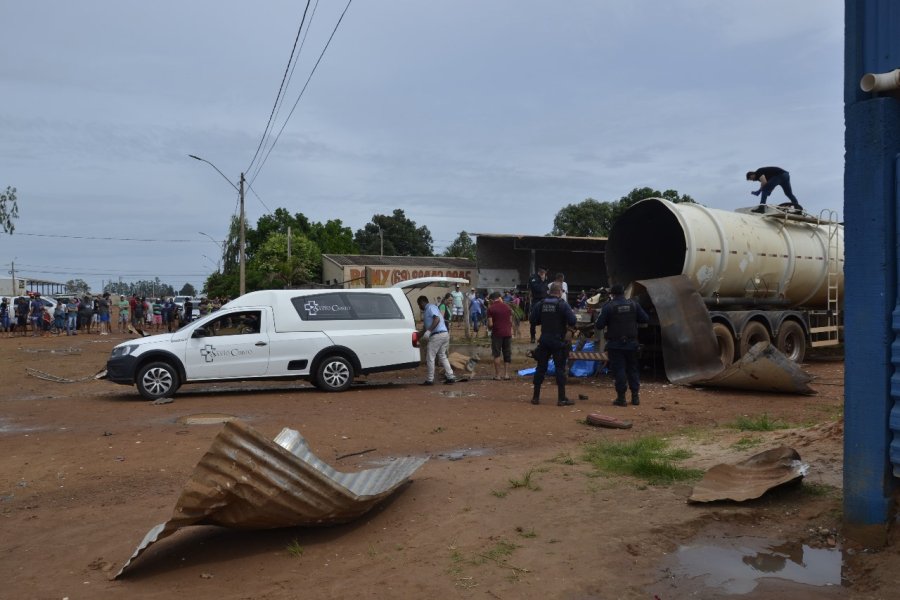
(204, 419)
(735, 565)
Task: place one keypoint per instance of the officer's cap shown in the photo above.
(617, 289)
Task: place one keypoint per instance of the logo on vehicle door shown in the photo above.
(208, 352)
(311, 307)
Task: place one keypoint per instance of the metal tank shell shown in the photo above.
(726, 254)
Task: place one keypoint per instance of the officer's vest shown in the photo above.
(622, 321)
(538, 288)
(553, 319)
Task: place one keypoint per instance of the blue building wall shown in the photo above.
(872, 315)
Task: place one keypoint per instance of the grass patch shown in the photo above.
(503, 548)
(648, 458)
(822, 490)
(526, 534)
(564, 458)
(294, 548)
(762, 422)
(525, 482)
(439, 430)
(745, 443)
(372, 551)
(499, 494)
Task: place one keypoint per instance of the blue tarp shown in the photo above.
(580, 368)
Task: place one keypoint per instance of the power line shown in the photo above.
(281, 87)
(258, 198)
(328, 43)
(82, 237)
(290, 77)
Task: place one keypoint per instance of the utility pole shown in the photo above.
(381, 233)
(13, 271)
(243, 272)
(289, 243)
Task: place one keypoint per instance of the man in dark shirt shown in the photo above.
(555, 316)
(769, 178)
(620, 317)
(499, 317)
(537, 288)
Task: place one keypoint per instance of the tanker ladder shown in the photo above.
(825, 326)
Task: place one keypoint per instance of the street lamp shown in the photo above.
(241, 193)
(211, 260)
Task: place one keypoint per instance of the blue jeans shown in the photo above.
(71, 322)
(475, 319)
(784, 180)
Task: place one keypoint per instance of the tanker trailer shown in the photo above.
(774, 276)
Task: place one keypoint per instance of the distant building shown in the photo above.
(23, 286)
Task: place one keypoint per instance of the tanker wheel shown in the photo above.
(726, 343)
(754, 333)
(791, 341)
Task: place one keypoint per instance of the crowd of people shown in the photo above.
(34, 316)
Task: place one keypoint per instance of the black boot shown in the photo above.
(635, 398)
(620, 399)
(536, 399)
(563, 401)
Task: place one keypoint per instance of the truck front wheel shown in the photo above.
(157, 380)
(754, 333)
(791, 341)
(726, 343)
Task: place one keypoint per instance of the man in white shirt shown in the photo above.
(438, 338)
(457, 304)
(560, 279)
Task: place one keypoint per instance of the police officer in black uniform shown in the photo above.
(620, 316)
(537, 286)
(554, 315)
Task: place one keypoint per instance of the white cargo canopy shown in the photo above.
(424, 282)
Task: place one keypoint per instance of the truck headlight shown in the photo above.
(120, 351)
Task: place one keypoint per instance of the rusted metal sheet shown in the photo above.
(246, 481)
(751, 478)
(764, 369)
(690, 350)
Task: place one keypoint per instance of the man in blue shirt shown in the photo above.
(438, 338)
(620, 316)
(555, 316)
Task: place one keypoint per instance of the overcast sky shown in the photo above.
(471, 115)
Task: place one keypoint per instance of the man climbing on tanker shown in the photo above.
(537, 288)
(555, 316)
(769, 178)
(620, 317)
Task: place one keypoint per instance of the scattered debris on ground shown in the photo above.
(751, 478)
(764, 369)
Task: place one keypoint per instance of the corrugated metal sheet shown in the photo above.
(370, 260)
(751, 478)
(246, 481)
(764, 369)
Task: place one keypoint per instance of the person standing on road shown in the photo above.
(85, 314)
(59, 318)
(555, 316)
(620, 317)
(4, 317)
(476, 308)
(561, 280)
(72, 316)
(438, 338)
(500, 323)
(537, 288)
(770, 178)
(139, 313)
(103, 311)
(124, 307)
(457, 296)
(188, 310)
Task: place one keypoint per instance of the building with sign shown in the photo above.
(349, 270)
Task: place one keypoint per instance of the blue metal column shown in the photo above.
(872, 144)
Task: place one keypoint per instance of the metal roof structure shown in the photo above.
(550, 242)
(374, 260)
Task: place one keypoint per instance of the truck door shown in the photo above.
(233, 345)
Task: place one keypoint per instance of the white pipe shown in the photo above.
(880, 82)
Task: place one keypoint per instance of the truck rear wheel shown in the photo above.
(726, 343)
(754, 333)
(335, 374)
(791, 341)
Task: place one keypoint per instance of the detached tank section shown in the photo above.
(774, 276)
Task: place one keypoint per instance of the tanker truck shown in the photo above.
(776, 276)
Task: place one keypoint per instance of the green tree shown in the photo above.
(462, 247)
(592, 218)
(332, 237)
(288, 272)
(187, 290)
(77, 286)
(401, 236)
(9, 210)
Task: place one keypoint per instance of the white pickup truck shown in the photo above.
(327, 336)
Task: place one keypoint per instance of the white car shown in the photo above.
(327, 336)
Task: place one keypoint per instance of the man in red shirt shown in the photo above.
(500, 322)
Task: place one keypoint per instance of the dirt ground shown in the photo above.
(87, 468)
